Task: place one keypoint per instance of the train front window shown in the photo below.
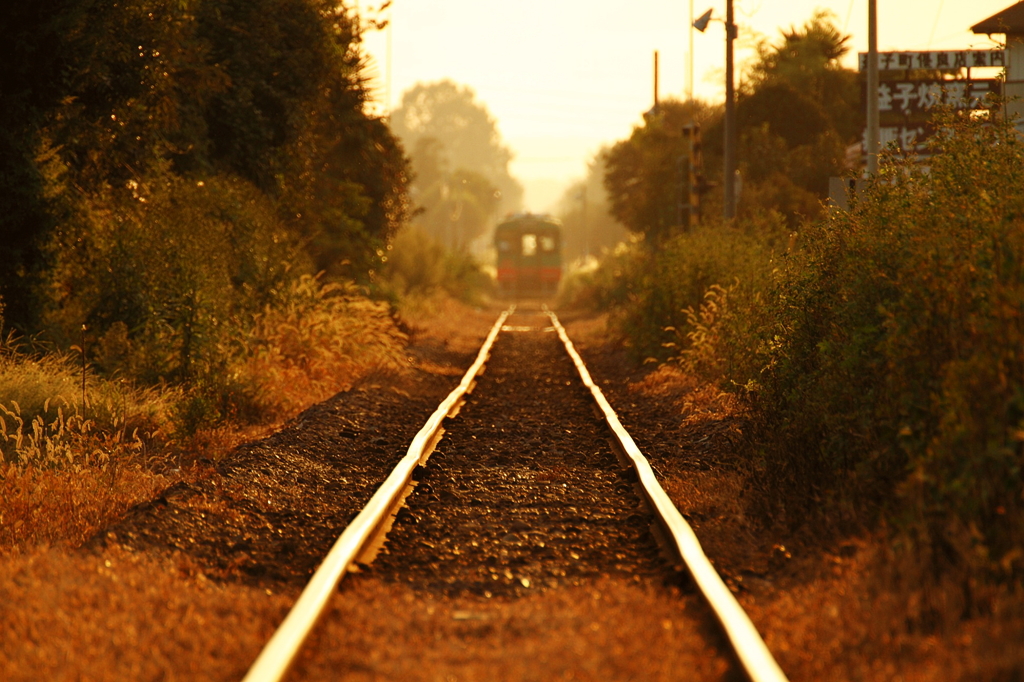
(547, 244)
(529, 245)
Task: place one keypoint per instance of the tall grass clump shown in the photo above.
(71, 459)
(420, 266)
(318, 338)
(893, 377)
(50, 419)
(661, 296)
(75, 455)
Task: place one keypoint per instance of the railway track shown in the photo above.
(498, 496)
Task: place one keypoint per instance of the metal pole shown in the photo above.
(729, 173)
(655, 81)
(872, 88)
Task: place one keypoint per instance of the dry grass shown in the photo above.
(847, 615)
(65, 508)
(320, 340)
(853, 612)
(64, 476)
(120, 616)
(74, 616)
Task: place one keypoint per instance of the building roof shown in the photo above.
(1009, 21)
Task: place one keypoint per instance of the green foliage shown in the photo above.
(151, 93)
(182, 262)
(313, 339)
(643, 177)
(897, 362)
(880, 351)
(653, 294)
(418, 265)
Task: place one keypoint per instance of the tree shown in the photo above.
(103, 98)
(457, 208)
(807, 60)
(447, 130)
(797, 112)
(643, 177)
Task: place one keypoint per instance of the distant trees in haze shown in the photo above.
(461, 178)
(589, 228)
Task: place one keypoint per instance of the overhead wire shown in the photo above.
(935, 25)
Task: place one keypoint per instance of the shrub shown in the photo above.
(898, 358)
(418, 265)
(653, 294)
(318, 338)
(881, 350)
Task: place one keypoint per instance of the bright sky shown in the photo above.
(564, 77)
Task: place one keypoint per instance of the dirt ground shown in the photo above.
(496, 570)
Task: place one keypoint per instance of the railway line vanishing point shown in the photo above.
(523, 487)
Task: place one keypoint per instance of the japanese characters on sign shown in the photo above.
(936, 60)
(916, 99)
(906, 105)
(907, 138)
(905, 108)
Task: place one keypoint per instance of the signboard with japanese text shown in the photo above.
(909, 139)
(902, 101)
(906, 105)
(944, 60)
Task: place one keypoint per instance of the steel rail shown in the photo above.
(279, 652)
(753, 654)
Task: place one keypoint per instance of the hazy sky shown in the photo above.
(564, 77)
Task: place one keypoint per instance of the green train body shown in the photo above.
(529, 251)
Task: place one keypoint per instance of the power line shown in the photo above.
(931, 36)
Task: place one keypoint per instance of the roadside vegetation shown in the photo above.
(199, 206)
(877, 353)
(878, 358)
(879, 349)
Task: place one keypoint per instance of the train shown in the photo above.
(529, 255)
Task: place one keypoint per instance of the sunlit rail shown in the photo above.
(757, 661)
(280, 651)
(276, 657)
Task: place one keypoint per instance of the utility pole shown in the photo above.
(655, 80)
(729, 179)
(872, 94)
